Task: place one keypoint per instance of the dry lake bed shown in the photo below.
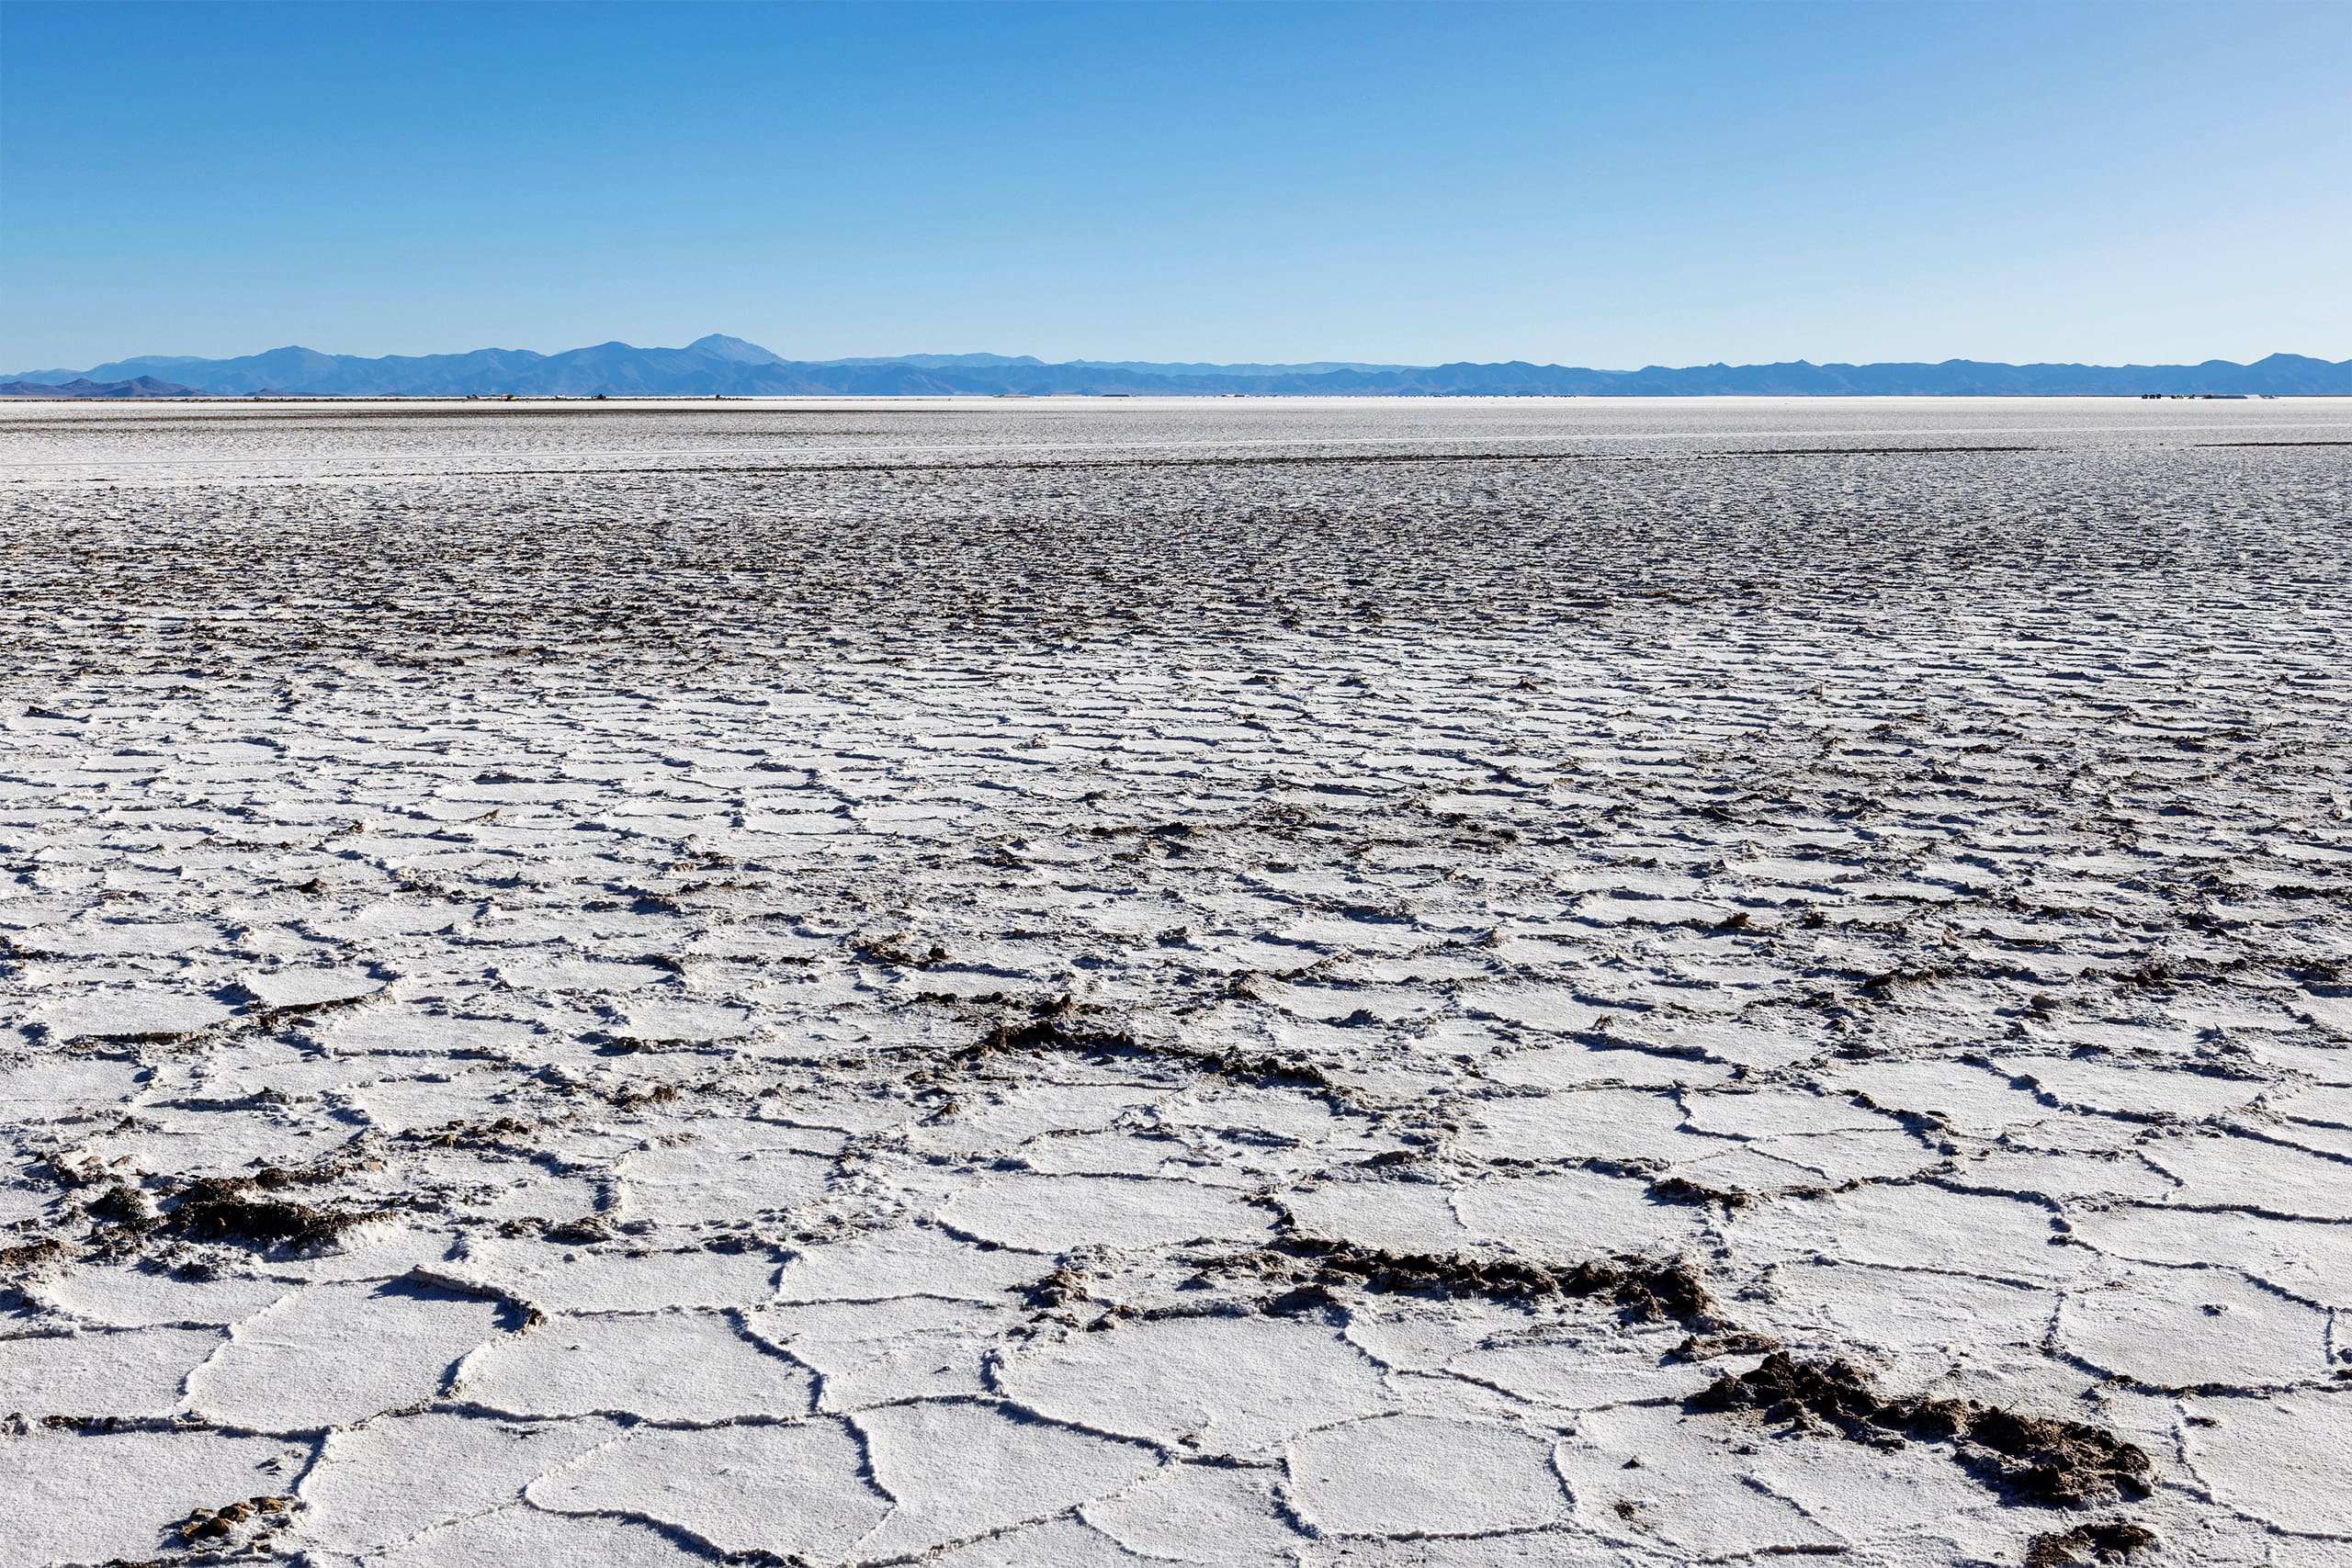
(1446, 984)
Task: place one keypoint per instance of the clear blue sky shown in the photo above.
(1591, 184)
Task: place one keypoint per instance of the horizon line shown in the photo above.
(1096, 361)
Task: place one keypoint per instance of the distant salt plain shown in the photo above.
(1207, 982)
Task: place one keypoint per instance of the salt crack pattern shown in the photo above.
(1039, 987)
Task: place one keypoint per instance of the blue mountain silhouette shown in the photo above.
(732, 366)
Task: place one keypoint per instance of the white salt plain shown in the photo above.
(1452, 984)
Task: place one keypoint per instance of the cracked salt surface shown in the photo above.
(1457, 982)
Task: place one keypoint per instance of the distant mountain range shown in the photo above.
(732, 367)
(82, 387)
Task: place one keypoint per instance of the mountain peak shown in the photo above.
(719, 345)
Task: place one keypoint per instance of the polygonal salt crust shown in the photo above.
(55, 1087)
(522, 1536)
(1214, 1384)
(296, 988)
(1341, 816)
(595, 977)
(684, 1020)
(616, 1278)
(394, 1105)
(1391, 1216)
(910, 1261)
(1409, 1334)
(2317, 1137)
(332, 1353)
(2323, 1062)
(2095, 1084)
(2244, 1172)
(1561, 1548)
(1868, 1155)
(91, 1496)
(2282, 1459)
(1056, 1213)
(1923, 1321)
(1578, 1064)
(389, 917)
(105, 938)
(1199, 1513)
(868, 1352)
(136, 1298)
(2332, 1012)
(2124, 1036)
(1546, 1009)
(1271, 1112)
(128, 1015)
(373, 1251)
(1978, 1101)
(961, 1469)
(1065, 1542)
(2327, 1105)
(2193, 1327)
(1741, 1044)
(1585, 1363)
(1771, 1112)
(521, 1192)
(2311, 1261)
(1607, 1123)
(1184, 1155)
(1651, 1472)
(1745, 1171)
(411, 1030)
(689, 1184)
(1911, 1227)
(1014, 1118)
(2037, 1172)
(399, 1476)
(1908, 1504)
(223, 1140)
(1419, 1475)
(1572, 1215)
(272, 1066)
(134, 1372)
(795, 1488)
(664, 1366)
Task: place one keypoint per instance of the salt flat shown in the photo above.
(1438, 983)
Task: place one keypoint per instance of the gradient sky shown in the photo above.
(1590, 185)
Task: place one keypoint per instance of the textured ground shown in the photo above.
(1249, 984)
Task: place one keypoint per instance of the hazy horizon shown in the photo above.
(168, 355)
(719, 365)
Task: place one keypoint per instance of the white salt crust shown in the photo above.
(860, 984)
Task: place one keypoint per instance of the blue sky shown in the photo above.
(1592, 185)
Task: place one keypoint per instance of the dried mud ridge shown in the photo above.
(226, 1209)
(248, 1211)
(1292, 1014)
(1643, 1290)
(2110, 1541)
(2063, 1465)
(1054, 1029)
(249, 1524)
